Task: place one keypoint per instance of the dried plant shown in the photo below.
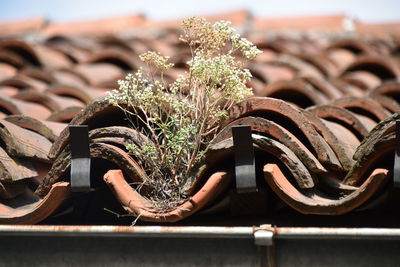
(180, 119)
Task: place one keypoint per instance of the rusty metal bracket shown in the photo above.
(80, 158)
(396, 167)
(245, 167)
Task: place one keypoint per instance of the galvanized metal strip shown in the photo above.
(80, 158)
(242, 232)
(245, 168)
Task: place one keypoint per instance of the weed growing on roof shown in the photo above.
(181, 118)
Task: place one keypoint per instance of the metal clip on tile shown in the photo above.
(80, 158)
(247, 199)
(245, 166)
(396, 168)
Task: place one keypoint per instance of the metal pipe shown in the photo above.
(336, 233)
(134, 231)
(202, 232)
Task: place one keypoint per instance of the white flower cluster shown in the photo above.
(248, 49)
(159, 61)
(221, 73)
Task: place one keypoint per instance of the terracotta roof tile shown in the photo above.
(323, 119)
(333, 23)
(21, 27)
(96, 27)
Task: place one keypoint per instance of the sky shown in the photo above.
(372, 11)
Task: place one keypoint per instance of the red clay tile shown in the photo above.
(365, 109)
(355, 46)
(342, 116)
(97, 114)
(302, 67)
(98, 73)
(295, 92)
(50, 130)
(70, 77)
(18, 107)
(22, 49)
(14, 169)
(21, 142)
(11, 58)
(290, 118)
(333, 141)
(38, 210)
(8, 91)
(64, 115)
(139, 206)
(124, 60)
(384, 68)
(95, 27)
(314, 203)
(21, 27)
(324, 86)
(7, 71)
(277, 132)
(322, 62)
(309, 153)
(386, 102)
(390, 89)
(97, 150)
(341, 57)
(49, 100)
(332, 23)
(76, 95)
(362, 79)
(272, 72)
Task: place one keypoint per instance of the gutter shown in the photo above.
(197, 246)
(202, 232)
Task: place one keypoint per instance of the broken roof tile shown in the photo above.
(21, 142)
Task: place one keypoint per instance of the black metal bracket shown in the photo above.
(396, 167)
(245, 166)
(80, 158)
(247, 199)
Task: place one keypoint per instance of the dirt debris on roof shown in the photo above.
(326, 99)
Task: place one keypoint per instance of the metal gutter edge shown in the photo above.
(129, 231)
(338, 233)
(262, 231)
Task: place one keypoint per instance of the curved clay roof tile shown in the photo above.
(7, 71)
(104, 151)
(99, 113)
(296, 92)
(18, 107)
(12, 170)
(50, 130)
(368, 111)
(20, 142)
(98, 73)
(383, 68)
(277, 132)
(22, 49)
(290, 118)
(314, 202)
(37, 211)
(362, 79)
(390, 89)
(122, 59)
(64, 115)
(355, 46)
(81, 96)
